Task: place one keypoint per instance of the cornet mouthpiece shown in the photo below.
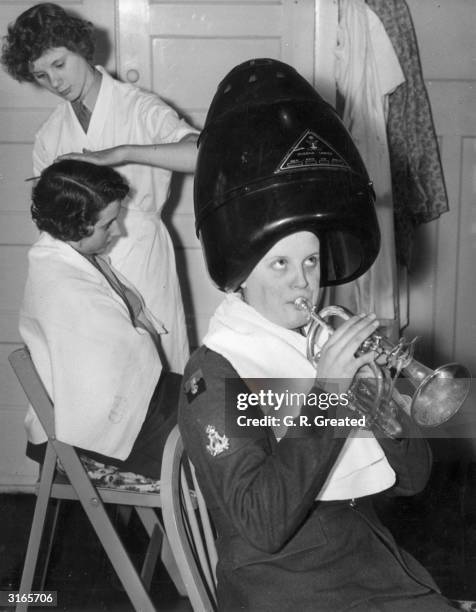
(302, 304)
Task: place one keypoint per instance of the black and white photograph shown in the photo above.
(238, 305)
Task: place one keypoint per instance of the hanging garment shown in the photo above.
(367, 71)
(419, 190)
(124, 114)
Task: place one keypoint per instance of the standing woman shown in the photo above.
(48, 46)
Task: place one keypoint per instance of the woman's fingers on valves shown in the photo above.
(366, 359)
(354, 331)
(362, 329)
(338, 356)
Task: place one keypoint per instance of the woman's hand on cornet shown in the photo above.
(338, 362)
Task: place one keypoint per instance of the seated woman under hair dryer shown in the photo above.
(94, 344)
(283, 207)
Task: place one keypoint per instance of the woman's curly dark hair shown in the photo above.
(69, 196)
(40, 28)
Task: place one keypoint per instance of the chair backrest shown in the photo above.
(22, 365)
(188, 527)
(37, 395)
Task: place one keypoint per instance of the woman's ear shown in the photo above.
(76, 244)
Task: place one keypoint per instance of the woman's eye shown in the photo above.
(279, 264)
(312, 261)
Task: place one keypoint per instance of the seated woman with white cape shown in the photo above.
(94, 344)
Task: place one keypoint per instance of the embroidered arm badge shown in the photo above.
(195, 385)
(216, 443)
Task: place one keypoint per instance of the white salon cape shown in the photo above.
(99, 370)
(124, 114)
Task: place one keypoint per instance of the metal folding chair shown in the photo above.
(188, 527)
(80, 487)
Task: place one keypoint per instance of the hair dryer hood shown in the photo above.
(274, 158)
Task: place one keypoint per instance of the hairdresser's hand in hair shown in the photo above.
(338, 362)
(176, 156)
(114, 156)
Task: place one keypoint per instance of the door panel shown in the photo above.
(465, 315)
(443, 278)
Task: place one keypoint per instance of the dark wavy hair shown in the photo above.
(40, 28)
(69, 196)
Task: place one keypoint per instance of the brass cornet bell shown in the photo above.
(439, 394)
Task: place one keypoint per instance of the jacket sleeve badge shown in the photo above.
(216, 443)
(195, 385)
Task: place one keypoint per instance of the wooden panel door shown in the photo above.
(23, 107)
(181, 50)
(443, 277)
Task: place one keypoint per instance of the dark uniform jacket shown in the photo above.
(278, 548)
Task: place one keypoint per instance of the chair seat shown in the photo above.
(61, 489)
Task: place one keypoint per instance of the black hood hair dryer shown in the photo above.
(274, 158)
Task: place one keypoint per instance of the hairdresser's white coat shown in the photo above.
(124, 114)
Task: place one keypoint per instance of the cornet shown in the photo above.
(439, 394)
